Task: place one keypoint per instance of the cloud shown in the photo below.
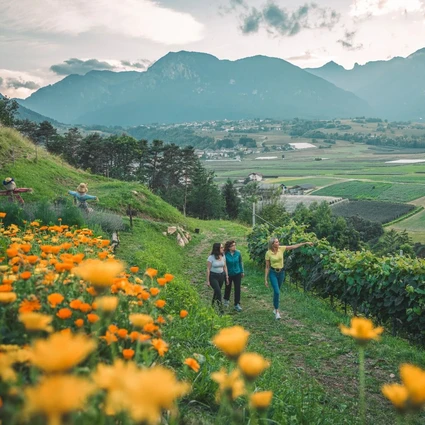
(130, 18)
(279, 22)
(367, 8)
(82, 66)
(78, 66)
(347, 42)
(306, 56)
(18, 84)
(142, 64)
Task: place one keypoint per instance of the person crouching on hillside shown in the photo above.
(81, 197)
(235, 269)
(274, 268)
(217, 273)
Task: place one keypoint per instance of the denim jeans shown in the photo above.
(236, 281)
(276, 280)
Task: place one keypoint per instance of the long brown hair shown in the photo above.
(227, 245)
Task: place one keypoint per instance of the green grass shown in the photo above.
(50, 177)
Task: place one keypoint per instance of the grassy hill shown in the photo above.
(50, 177)
(313, 372)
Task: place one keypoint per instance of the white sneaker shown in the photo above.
(274, 311)
(238, 308)
(226, 303)
(278, 315)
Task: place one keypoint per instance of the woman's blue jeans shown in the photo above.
(276, 280)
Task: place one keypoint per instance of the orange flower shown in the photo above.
(151, 272)
(183, 313)
(154, 291)
(161, 281)
(27, 306)
(122, 333)
(128, 353)
(2, 214)
(161, 320)
(134, 269)
(160, 345)
(25, 275)
(85, 307)
(102, 255)
(92, 318)
(12, 252)
(150, 328)
(91, 291)
(168, 277)
(6, 288)
(193, 364)
(134, 335)
(32, 259)
(160, 303)
(55, 299)
(26, 247)
(75, 304)
(64, 313)
(79, 323)
(109, 337)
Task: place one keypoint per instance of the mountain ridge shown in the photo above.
(192, 86)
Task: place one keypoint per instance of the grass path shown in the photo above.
(313, 365)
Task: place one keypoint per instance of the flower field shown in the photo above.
(84, 338)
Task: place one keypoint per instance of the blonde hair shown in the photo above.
(271, 242)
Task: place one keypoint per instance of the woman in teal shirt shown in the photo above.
(235, 269)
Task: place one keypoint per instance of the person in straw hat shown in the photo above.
(81, 197)
(12, 192)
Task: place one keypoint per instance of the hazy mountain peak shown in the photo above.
(420, 52)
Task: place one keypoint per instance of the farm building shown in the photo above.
(300, 189)
(255, 177)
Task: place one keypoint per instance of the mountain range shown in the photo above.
(190, 86)
(187, 86)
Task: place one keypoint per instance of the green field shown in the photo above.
(393, 192)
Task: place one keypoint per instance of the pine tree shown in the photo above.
(231, 199)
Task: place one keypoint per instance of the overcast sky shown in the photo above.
(43, 41)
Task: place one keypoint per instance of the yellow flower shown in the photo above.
(61, 352)
(193, 364)
(397, 394)
(362, 330)
(57, 395)
(232, 341)
(99, 273)
(140, 320)
(152, 391)
(7, 297)
(261, 400)
(107, 304)
(230, 385)
(36, 321)
(252, 365)
(6, 370)
(413, 379)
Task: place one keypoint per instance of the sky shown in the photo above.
(43, 41)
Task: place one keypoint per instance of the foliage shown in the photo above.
(231, 199)
(8, 111)
(390, 288)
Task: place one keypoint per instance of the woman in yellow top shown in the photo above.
(274, 268)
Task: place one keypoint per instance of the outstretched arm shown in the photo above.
(22, 190)
(298, 245)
